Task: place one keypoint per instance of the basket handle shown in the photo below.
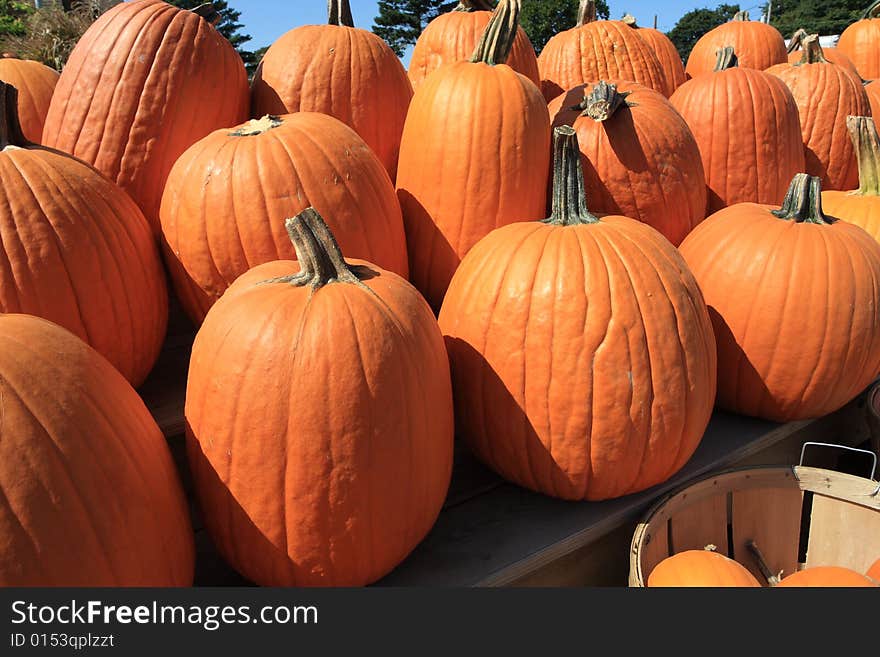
(845, 448)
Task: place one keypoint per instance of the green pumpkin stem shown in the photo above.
(586, 12)
(497, 40)
(863, 132)
(740, 16)
(604, 100)
(872, 11)
(803, 202)
(10, 127)
(209, 12)
(812, 51)
(339, 12)
(726, 59)
(569, 194)
(256, 127)
(474, 5)
(796, 40)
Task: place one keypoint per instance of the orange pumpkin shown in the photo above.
(665, 50)
(35, 83)
(757, 45)
(319, 416)
(872, 89)
(145, 82)
(826, 576)
(639, 157)
(583, 362)
(833, 55)
(860, 40)
(475, 155)
(701, 568)
(453, 36)
(747, 126)
(861, 206)
(337, 69)
(825, 94)
(91, 496)
(75, 250)
(598, 50)
(227, 198)
(764, 273)
(874, 571)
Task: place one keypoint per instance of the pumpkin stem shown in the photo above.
(726, 59)
(772, 578)
(10, 128)
(586, 12)
(812, 51)
(339, 12)
(474, 5)
(256, 127)
(569, 195)
(497, 40)
(604, 100)
(872, 11)
(740, 16)
(796, 40)
(208, 12)
(803, 201)
(863, 132)
(630, 20)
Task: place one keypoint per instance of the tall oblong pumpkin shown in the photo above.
(145, 82)
(91, 496)
(582, 354)
(453, 36)
(665, 50)
(758, 45)
(35, 83)
(639, 157)
(76, 250)
(319, 418)
(860, 41)
(340, 70)
(228, 195)
(794, 297)
(475, 155)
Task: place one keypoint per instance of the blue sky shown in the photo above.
(266, 20)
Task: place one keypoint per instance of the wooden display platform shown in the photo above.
(491, 533)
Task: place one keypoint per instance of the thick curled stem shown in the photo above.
(863, 133)
(339, 13)
(726, 59)
(569, 194)
(803, 202)
(498, 37)
(10, 127)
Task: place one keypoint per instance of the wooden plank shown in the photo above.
(843, 534)
(700, 524)
(771, 517)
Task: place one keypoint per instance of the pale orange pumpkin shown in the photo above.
(827, 576)
(700, 568)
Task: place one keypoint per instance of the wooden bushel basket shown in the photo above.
(771, 519)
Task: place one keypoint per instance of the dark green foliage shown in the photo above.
(696, 23)
(542, 19)
(823, 17)
(13, 17)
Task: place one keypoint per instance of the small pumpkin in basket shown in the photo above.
(826, 576)
(701, 568)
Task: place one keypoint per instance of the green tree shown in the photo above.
(542, 19)
(824, 17)
(696, 23)
(13, 17)
(400, 22)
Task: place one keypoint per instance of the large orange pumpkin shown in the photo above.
(827, 576)
(227, 198)
(701, 568)
(319, 415)
(640, 159)
(583, 362)
(91, 496)
(747, 126)
(665, 50)
(35, 83)
(337, 69)
(861, 206)
(145, 82)
(794, 297)
(75, 250)
(833, 55)
(475, 155)
(861, 42)
(453, 36)
(872, 89)
(825, 94)
(758, 45)
(598, 50)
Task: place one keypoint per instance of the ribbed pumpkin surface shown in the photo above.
(833, 55)
(91, 496)
(860, 42)
(35, 83)
(827, 576)
(757, 45)
(700, 568)
(668, 55)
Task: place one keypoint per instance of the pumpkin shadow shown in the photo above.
(265, 97)
(813, 165)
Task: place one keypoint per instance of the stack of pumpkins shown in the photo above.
(576, 349)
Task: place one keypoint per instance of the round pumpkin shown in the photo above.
(475, 155)
(825, 94)
(35, 83)
(91, 496)
(860, 41)
(827, 576)
(747, 127)
(861, 206)
(794, 297)
(701, 568)
(319, 418)
(583, 362)
(757, 45)
(639, 157)
(872, 89)
(453, 37)
(667, 53)
(337, 69)
(833, 55)
(227, 197)
(874, 571)
(145, 82)
(76, 250)
(598, 50)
